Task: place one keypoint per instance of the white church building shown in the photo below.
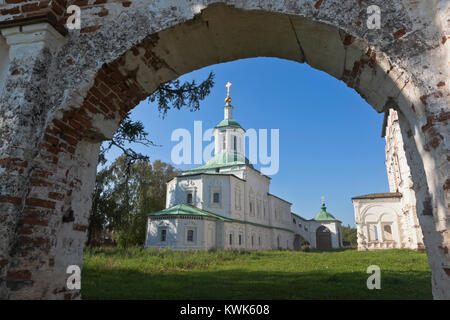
(227, 204)
(389, 220)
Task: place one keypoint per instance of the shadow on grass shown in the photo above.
(240, 284)
(331, 250)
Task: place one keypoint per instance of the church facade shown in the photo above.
(389, 220)
(227, 204)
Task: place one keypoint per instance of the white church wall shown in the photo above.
(238, 171)
(282, 239)
(228, 145)
(237, 203)
(280, 212)
(179, 188)
(216, 184)
(256, 190)
(302, 227)
(400, 180)
(203, 236)
(371, 216)
(407, 232)
(154, 228)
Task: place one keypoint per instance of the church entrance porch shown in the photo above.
(323, 238)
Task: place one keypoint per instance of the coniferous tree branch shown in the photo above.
(169, 95)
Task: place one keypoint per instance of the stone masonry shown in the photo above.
(65, 91)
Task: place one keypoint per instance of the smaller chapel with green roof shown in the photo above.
(227, 204)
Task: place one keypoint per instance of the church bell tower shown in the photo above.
(228, 134)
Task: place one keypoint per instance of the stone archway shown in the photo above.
(66, 92)
(323, 238)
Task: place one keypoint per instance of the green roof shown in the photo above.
(187, 210)
(228, 123)
(324, 215)
(221, 160)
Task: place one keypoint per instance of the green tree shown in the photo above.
(349, 235)
(125, 195)
(131, 187)
(147, 194)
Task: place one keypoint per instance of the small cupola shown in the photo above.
(324, 215)
(228, 134)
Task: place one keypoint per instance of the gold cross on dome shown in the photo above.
(228, 85)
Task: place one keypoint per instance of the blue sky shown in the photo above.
(330, 142)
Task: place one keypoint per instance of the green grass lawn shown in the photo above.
(164, 274)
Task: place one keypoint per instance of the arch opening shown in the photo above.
(219, 33)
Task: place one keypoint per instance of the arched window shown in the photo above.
(190, 235)
(387, 232)
(163, 235)
(231, 239)
(373, 232)
(216, 197)
(223, 142)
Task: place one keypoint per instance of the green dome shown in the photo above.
(224, 159)
(324, 215)
(228, 123)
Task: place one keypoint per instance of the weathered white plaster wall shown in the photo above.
(404, 65)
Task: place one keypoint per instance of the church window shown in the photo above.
(189, 198)
(235, 143)
(240, 239)
(216, 197)
(190, 235)
(259, 241)
(231, 239)
(387, 232)
(252, 241)
(258, 208)
(237, 198)
(163, 235)
(293, 221)
(223, 142)
(251, 207)
(373, 232)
